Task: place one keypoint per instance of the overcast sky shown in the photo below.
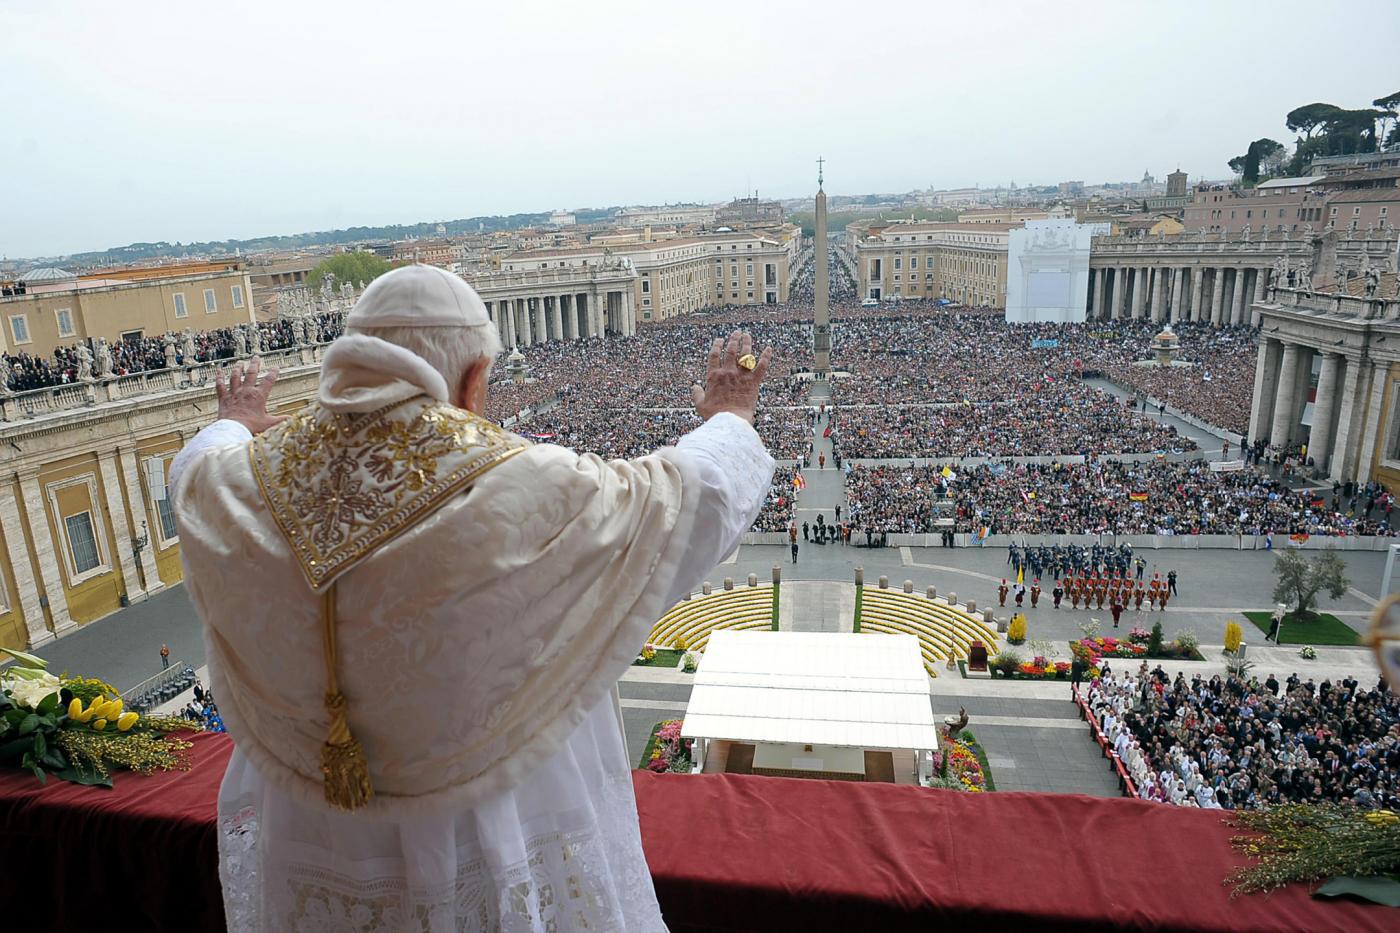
(190, 121)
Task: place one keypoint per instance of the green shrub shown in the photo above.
(1154, 641)
(1007, 662)
(1186, 639)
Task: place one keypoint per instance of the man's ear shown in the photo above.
(471, 392)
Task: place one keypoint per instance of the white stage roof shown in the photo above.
(860, 691)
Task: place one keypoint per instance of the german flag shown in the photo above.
(1138, 496)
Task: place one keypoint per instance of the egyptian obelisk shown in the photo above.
(821, 314)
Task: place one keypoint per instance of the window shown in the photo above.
(180, 310)
(65, 321)
(646, 286)
(210, 303)
(82, 543)
(19, 328)
(237, 293)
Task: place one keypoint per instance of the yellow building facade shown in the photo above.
(965, 263)
(118, 304)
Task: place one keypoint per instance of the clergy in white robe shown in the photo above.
(415, 619)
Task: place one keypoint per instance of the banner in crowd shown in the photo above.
(1226, 466)
(1044, 343)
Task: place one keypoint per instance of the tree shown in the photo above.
(1307, 118)
(356, 267)
(1301, 579)
(1390, 108)
(1259, 152)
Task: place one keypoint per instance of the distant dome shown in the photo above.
(47, 274)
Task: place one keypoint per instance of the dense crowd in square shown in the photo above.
(1105, 496)
(1231, 743)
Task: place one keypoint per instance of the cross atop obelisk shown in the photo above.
(821, 312)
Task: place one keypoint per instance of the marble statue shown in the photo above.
(84, 362)
(240, 341)
(168, 340)
(327, 282)
(299, 331)
(1305, 276)
(187, 348)
(347, 291)
(6, 374)
(1244, 233)
(255, 342)
(1373, 279)
(104, 359)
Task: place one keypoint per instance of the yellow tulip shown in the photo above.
(86, 715)
(1382, 817)
(126, 720)
(75, 708)
(100, 724)
(114, 709)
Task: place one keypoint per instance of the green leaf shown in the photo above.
(29, 723)
(1381, 889)
(41, 745)
(23, 658)
(48, 704)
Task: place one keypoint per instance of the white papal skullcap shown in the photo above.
(418, 296)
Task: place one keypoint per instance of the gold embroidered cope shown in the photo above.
(340, 485)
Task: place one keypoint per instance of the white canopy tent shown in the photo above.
(824, 694)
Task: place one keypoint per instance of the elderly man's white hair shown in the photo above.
(430, 312)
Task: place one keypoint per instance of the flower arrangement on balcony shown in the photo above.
(667, 751)
(76, 728)
(1356, 851)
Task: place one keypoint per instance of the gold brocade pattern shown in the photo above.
(340, 485)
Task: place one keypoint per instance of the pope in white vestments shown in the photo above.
(415, 619)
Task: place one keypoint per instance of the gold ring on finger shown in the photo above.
(748, 361)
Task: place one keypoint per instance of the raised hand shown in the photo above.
(243, 397)
(729, 386)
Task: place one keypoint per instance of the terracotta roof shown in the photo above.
(1365, 195)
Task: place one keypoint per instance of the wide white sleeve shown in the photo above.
(727, 458)
(222, 433)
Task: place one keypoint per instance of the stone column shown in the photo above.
(131, 478)
(1284, 415)
(1116, 305)
(1193, 313)
(503, 319)
(1373, 432)
(1261, 416)
(541, 321)
(1178, 292)
(1217, 298)
(1159, 293)
(1349, 423)
(1139, 299)
(121, 529)
(1239, 311)
(37, 632)
(1261, 291)
(47, 549)
(1323, 420)
(556, 325)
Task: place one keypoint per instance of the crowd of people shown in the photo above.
(203, 710)
(145, 354)
(1231, 743)
(1106, 496)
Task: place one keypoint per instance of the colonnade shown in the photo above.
(1221, 295)
(1336, 435)
(528, 320)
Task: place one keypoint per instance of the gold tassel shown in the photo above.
(344, 770)
(343, 763)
